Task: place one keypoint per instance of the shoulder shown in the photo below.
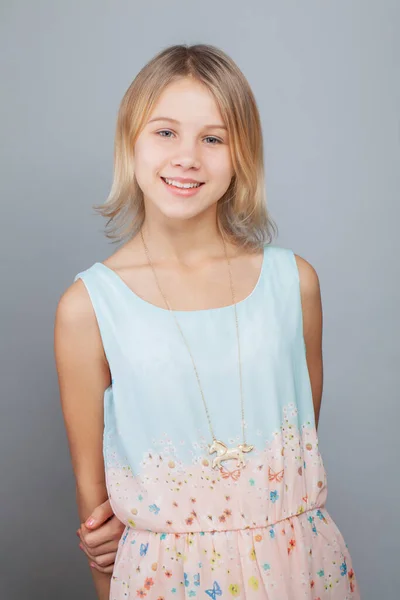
(289, 264)
(74, 308)
(310, 294)
(76, 328)
(308, 277)
(292, 266)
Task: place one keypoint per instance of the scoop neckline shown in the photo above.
(152, 306)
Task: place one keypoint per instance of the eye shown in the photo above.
(211, 137)
(215, 140)
(164, 131)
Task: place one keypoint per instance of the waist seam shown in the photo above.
(213, 531)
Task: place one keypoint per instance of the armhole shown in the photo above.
(98, 304)
(298, 304)
(302, 366)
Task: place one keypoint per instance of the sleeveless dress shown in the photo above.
(191, 531)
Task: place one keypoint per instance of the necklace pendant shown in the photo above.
(226, 453)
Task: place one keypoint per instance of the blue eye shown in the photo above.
(164, 131)
(209, 137)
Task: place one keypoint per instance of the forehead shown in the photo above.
(187, 102)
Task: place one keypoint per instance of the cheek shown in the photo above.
(222, 173)
(220, 165)
(148, 159)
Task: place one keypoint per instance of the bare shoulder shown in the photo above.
(311, 306)
(74, 302)
(74, 309)
(309, 280)
(311, 302)
(75, 320)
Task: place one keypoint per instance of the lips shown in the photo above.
(183, 192)
(177, 180)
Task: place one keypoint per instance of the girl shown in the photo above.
(197, 347)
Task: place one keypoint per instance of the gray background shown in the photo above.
(326, 78)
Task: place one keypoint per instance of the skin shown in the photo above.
(187, 252)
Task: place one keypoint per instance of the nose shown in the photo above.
(186, 156)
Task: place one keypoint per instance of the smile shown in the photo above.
(181, 189)
(180, 185)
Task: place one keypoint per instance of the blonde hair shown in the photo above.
(242, 214)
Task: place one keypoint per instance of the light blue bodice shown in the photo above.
(154, 399)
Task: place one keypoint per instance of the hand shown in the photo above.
(100, 536)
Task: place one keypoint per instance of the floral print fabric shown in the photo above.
(262, 532)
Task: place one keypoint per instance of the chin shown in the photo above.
(183, 210)
(180, 214)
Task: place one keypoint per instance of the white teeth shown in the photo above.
(181, 185)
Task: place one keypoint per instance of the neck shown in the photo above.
(188, 242)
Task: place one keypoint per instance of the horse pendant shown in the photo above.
(225, 453)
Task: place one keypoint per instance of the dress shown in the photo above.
(262, 533)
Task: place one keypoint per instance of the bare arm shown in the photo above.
(83, 375)
(312, 329)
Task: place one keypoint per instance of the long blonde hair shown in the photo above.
(242, 211)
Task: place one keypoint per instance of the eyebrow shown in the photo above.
(219, 126)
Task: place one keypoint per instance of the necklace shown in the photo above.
(222, 450)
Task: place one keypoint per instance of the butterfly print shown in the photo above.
(143, 549)
(196, 579)
(272, 476)
(216, 591)
(233, 474)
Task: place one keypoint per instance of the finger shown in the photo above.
(106, 561)
(95, 537)
(110, 546)
(86, 551)
(109, 569)
(97, 551)
(102, 560)
(108, 532)
(99, 515)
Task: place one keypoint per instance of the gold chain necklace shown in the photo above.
(222, 450)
